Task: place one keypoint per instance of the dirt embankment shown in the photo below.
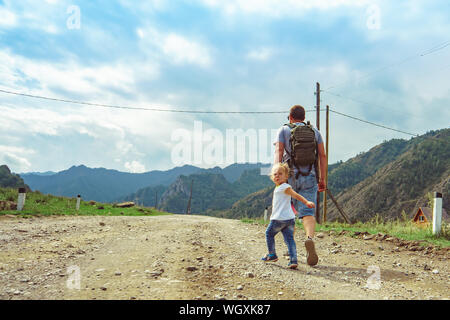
(198, 257)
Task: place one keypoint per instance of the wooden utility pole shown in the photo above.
(188, 209)
(326, 171)
(318, 105)
(318, 162)
(339, 208)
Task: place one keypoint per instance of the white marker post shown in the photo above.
(78, 202)
(437, 213)
(265, 214)
(21, 199)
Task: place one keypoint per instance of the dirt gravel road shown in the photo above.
(199, 257)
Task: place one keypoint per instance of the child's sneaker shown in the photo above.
(292, 265)
(270, 257)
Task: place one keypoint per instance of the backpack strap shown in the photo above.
(290, 161)
(293, 125)
(290, 125)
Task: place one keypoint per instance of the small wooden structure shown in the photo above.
(424, 216)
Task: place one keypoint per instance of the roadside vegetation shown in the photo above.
(401, 228)
(37, 203)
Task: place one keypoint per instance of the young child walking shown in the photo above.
(283, 215)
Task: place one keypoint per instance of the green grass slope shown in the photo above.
(37, 203)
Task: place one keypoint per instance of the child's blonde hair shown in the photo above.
(283, 166)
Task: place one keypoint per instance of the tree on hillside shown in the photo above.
(11, 180)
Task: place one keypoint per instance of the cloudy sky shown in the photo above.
(387, 62)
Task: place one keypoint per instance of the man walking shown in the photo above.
(303, 164)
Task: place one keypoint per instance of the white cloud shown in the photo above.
(66, 134)
(70, 76)
(146, 7)
(7, 18)
(140, 33)
(261, 54)
(14, 157)
(35, 15)
(16, 150)
(182, 50)
(176, 48)
(16, 163)
(135, 166)
(277, 8)
(124, 147)
(51, 28)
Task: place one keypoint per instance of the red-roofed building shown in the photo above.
(424, 216)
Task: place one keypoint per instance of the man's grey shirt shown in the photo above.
(284, 135)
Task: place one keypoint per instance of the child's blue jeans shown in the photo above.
(287, 229)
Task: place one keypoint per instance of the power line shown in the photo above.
(188, 111)
(140, 108)
(418, 55)
(369, 104)
(374, 124)
(436, 48)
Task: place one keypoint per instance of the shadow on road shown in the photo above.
(343, 273)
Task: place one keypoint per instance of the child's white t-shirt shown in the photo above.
(281, 204)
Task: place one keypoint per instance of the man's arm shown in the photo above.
(323, 166)
(279, 150)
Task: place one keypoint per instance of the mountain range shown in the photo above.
(106, 185)
(100, 184)
(394, 176)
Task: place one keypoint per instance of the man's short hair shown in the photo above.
(297, 112)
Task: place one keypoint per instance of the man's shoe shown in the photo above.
(311, 255)
(292, 265)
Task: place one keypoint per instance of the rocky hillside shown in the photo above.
(147, 197)
(404, 183)
(364, 165)
(251, 206)
(11, 180)
(211, 192)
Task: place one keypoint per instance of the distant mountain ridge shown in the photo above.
(106, 185)
(46, 173)
(100, 184)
